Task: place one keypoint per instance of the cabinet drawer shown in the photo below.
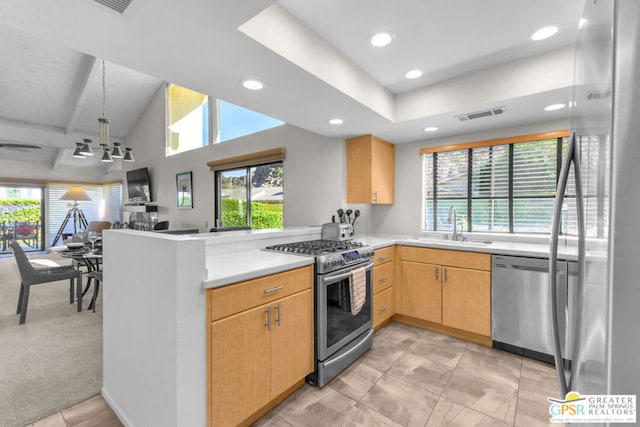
(228, 300)
(383, 255)
(382, 277)
(472, 260)
(383, 306)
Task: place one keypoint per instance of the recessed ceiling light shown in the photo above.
(335, 121)
(252, 84)
(413, 74)
(554, 107)
(381, 39)
(430, 129)
(544, 33)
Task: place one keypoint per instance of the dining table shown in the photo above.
(87, 257)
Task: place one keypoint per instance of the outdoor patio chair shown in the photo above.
(27, 232)
(30, 275)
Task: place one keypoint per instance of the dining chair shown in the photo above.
(29, 275)
(97, 276)
(98, 226)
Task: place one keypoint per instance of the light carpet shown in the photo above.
(54, 360)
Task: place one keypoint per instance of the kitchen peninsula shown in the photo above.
(155, 309)
(155, 314)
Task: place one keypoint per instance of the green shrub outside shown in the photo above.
(28, 210)
(264, 214)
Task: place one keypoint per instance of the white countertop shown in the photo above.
(514, 248)
(229, 268)
(240, 266)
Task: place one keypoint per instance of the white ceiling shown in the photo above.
(313, 55)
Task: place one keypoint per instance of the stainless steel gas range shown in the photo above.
(340, 336)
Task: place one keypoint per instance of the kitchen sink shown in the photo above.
(472, 242)
(475, 242)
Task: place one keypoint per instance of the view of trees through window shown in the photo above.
(21, 217)
(251, 196)
(501, 188)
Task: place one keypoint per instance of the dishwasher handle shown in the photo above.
(544, 268)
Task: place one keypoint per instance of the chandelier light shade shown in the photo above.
(78, 151)
(84, 149)
(75, 194)
(106, 156)
(117, 151)
(128, 155)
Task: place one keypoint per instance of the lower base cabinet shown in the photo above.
(448, 288)
(383, 306)
(259, 353)
(384, 292)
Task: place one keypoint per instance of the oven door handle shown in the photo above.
(343, 275)
(355, 348)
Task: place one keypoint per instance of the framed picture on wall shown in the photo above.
(184, 191)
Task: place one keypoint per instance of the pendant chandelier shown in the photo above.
(84, 148)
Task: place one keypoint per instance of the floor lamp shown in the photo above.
(75, 194)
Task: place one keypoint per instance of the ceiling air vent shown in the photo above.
(484, 113)
(117, 5)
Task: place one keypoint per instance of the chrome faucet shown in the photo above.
(453, 219)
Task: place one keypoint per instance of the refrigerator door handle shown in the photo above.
(572, 156)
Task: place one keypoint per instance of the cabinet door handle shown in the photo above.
(375, 196)
(278, 318)
(383, 279)
(384, 308)
(268, 324)
(275, 289)
(437, 275)
(383, 257)
(445, 273)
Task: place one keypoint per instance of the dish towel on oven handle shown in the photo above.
(358, 289)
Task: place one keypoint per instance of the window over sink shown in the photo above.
(500, 186)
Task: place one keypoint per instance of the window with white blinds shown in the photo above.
(106, 200)
(595, 181)
(507, 188)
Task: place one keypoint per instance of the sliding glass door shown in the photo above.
(21, 216)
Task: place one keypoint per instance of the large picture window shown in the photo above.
(506, 187)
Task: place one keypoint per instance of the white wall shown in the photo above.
(405, 215)
(314, 171)
(39, 171)
(154, 329)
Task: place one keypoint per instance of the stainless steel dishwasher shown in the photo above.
(520, 318)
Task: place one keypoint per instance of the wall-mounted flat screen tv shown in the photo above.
(139, 185)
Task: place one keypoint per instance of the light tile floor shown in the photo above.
(413, 377)
(410, 377)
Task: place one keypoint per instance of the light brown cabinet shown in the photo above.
(448, 288)
(421, 291)
(383, 285)
(260, 343)
(370, 170)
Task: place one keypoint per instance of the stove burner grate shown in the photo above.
(315, 247)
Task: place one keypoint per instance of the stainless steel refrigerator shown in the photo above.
(603, 187)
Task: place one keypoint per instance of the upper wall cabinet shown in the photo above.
(370, 170)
